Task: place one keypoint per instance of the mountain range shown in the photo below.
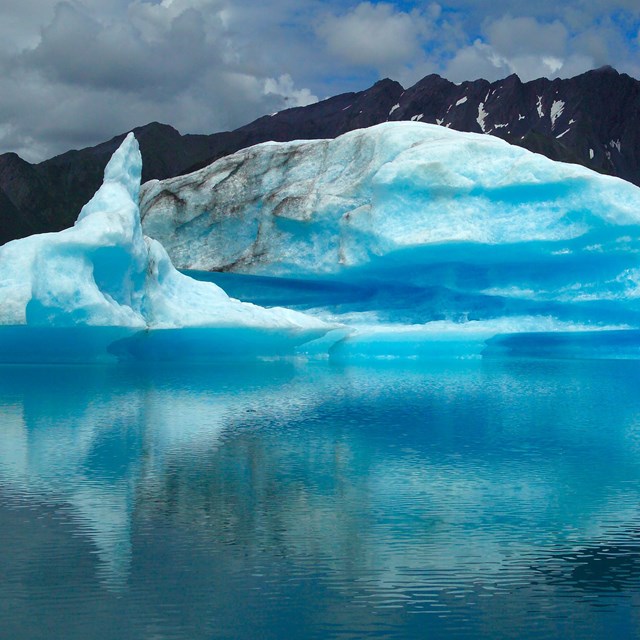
(591, 119)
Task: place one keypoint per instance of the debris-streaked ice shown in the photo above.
(317, 206)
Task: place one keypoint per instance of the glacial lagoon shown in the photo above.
(486, 498)
(442, 441)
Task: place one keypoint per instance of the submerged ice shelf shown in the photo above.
(406, 321)
(400, 240)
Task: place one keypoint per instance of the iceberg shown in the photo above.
(103, 290)
(422, 239)
(402, 240)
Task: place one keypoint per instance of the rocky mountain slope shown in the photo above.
(590, 119)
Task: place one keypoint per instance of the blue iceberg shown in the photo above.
(401, 240)
(322, 206)
(103, 291)
(425, 241)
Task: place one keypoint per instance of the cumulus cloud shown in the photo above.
(522, 36)
(477, 60)
(76, 72)
(533, 48)
(284, 88)
(548, 39)
(77, 50)
(95, 70)
(463, 40)
(375, 35)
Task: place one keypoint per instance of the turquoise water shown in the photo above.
(482, 499)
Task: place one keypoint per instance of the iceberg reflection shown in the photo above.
(89, 436)
(331, 462)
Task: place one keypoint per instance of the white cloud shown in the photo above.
(284, 88)
(77, 72)
(377, 36)
(97, 69)
(528, 47)
(523, 36)
(478, 60)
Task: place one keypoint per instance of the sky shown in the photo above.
(76, 72)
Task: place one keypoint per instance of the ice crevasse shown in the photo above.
(102, 290)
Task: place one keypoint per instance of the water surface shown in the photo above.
(482, 499)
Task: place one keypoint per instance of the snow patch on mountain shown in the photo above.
(557, 108)
(482, 115)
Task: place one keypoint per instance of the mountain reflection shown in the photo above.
(611, 566)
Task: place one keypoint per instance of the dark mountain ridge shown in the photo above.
(590, 119)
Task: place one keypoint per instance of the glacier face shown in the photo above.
(58, 289)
